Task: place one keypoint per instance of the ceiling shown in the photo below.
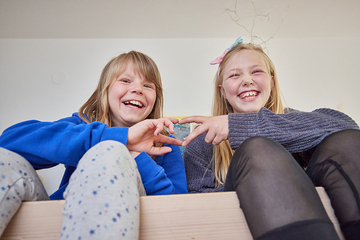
(179, 18)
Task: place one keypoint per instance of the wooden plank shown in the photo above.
(193, 216)
(186, 216)
(36, 220)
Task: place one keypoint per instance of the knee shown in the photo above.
(9, 157)
(260, 147)
(14, 166)
(342, 142)
(256, 143)
(260, 152)
(107, 148)
(110, 144)
(351, 136)
(108, 154)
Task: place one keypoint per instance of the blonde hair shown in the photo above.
(223, 153)
(97, 108)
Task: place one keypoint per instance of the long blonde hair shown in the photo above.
(97, 108)
(223, 152)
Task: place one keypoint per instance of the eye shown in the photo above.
(258, 71)
(124, 80)
(234, 75)
(151, 86)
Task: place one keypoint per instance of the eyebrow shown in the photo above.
(257, 65)
(233, 69)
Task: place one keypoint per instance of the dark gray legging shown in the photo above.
(278, 198)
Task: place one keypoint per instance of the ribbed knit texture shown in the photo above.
(297, 131)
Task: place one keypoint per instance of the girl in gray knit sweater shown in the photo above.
(273, 157)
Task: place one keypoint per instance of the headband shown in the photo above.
(219, 59)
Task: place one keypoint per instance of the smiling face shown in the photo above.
(131, 98)
(247, 82)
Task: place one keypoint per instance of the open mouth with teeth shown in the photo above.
(134, 103)
(249, 95)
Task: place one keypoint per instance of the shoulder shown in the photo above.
(74, 118)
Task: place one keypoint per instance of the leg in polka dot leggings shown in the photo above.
(102, 198)
(18, 183)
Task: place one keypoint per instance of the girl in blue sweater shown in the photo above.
(277, 196)
(102, 182)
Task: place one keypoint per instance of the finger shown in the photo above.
(168, 140)
(159, 124)
(157, 151)
(196, 119)
(173, 120)
(170, 124)
(210, 136)
(217, 140)
(194, 134)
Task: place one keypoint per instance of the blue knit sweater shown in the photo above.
(46, 144)
(297, 131)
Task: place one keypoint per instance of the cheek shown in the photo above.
(266, 85)
(151, 98)
(230, 88)
(113, 93)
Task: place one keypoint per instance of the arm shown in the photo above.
(153, 176)
(46, 144)
(199, 170)
(297, 131)
(173, 164)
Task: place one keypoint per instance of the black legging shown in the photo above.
(279, 200)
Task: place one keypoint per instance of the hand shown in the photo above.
(216, 127)
(143, 135)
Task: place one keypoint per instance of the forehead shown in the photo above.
(130, 68)
(246, 58)
(145, 71)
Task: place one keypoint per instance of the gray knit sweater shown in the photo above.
(297, 131)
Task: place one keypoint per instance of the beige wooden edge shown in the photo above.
(186, 216)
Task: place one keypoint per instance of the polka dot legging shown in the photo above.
(18, 182)
(102, 198)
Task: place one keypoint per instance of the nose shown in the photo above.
(247, 81)
(137, 89)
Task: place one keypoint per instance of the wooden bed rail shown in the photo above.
(185, 216)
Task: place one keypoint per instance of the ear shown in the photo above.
(221, 90)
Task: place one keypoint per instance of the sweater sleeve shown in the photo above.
(199, 171)
(46, 144)
(173, 164)
(297, 131)
(153, 176)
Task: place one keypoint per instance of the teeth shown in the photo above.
(249, 94)
(136, 103)
(133, 102)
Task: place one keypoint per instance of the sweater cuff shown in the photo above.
(241, 127)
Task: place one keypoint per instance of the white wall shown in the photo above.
(313, 73)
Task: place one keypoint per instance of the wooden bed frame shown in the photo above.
(185, 216)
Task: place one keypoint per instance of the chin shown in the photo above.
(133, 121)
(250, 110)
